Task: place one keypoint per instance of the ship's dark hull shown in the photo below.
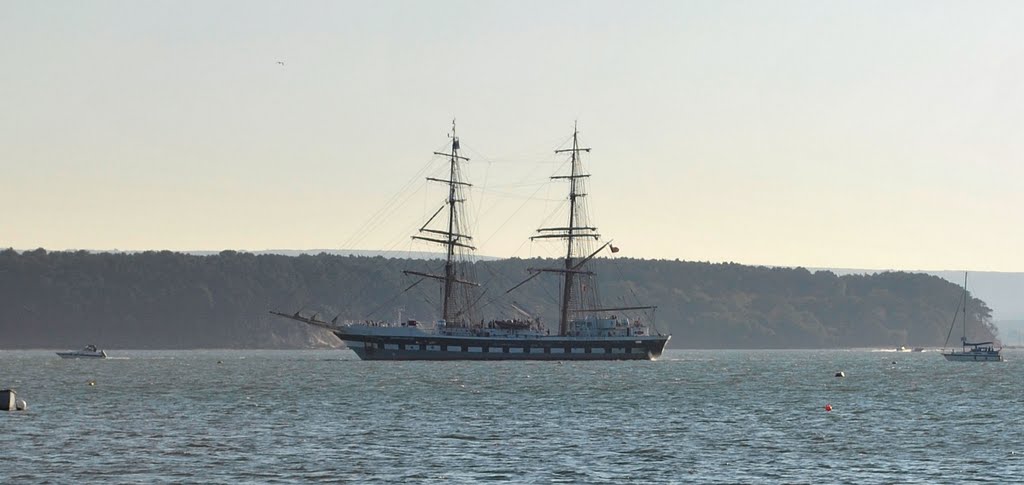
(544, 348)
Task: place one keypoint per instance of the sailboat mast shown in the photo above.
(563, 322)
(449, 265)
(963, 341)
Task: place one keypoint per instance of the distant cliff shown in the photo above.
(174, 300)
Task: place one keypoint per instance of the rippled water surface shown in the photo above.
(694, 416)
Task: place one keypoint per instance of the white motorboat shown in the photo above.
(89, 352)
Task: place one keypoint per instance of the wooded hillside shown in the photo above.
(174, 300)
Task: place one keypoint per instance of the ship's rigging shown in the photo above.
(460, 300)
(579, 291)
(458, 286)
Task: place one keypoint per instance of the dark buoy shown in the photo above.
(828, 407)
(840, 374)
(8, 400)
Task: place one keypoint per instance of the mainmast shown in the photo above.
(575, 229)
(579, 289)
(451, 237)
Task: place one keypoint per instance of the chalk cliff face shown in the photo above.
(173, 300)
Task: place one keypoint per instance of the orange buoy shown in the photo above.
(828, 407)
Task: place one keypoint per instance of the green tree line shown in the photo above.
(163, 299)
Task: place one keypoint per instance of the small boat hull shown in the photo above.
(76, 355)
(973, 356)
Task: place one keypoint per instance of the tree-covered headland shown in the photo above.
(163, 299)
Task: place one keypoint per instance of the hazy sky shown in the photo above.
(848, 134)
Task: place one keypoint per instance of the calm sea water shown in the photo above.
(694, 416)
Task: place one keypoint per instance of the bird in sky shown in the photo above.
(280, 62)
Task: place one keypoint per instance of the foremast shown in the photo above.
(455, 300)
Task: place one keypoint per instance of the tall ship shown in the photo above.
(586, 330)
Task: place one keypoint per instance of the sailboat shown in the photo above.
(586, 330)
(970, 351)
